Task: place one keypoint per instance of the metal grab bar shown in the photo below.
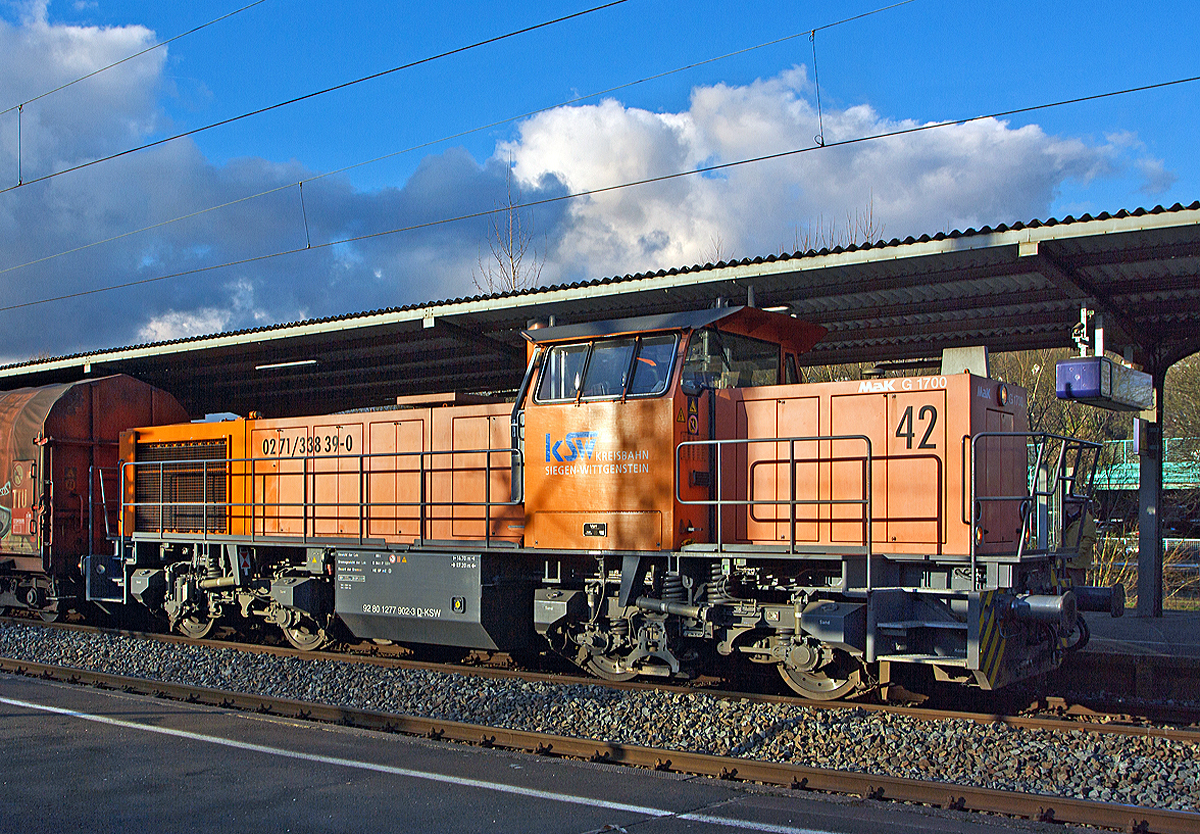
(1063, 481)
(216, 512)
(98, 474)
(720, 502)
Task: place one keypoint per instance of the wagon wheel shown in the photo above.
(195, 627)
(306, 635)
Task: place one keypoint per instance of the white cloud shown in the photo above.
(1156, 179)
(104, 114)
(981, 173)
(179, 325)
(119, 109)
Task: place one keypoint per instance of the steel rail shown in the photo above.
(1045, 808)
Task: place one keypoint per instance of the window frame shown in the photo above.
(620, 396)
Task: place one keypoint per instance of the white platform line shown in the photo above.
(391, 770)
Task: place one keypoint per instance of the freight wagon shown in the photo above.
(58, 499)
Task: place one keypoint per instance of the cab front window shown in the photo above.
(652, 371)
(563, 372)
(608, 369)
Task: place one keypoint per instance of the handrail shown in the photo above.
(1063, 481)
(256, 511)
(96, 476)
(720, 502)
(115, 473)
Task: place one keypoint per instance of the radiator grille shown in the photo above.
(175, 490)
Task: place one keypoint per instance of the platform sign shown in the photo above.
(1098, 381)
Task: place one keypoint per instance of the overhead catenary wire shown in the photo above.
(451, 137)
(708, 169)
(308, 96)
(20, 107)
(128, 58)
(820, 137)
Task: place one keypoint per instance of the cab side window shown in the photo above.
(727, 360)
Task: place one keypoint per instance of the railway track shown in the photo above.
(1053, 713)
(870, 786)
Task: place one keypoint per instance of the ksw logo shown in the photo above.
(576, 445)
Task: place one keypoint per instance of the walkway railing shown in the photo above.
(318, 498)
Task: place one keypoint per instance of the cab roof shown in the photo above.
(793, 334)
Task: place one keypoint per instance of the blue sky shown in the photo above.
(920, 62)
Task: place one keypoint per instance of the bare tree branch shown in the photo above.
(515, 263)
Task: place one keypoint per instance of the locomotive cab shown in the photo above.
(611, 404)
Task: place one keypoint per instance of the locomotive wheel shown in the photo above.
(306, 636)
(48, 616)
(195, 627)
(606, 668)
(822, 684)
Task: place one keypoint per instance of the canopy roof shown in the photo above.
(794, 334)
(1008, 288)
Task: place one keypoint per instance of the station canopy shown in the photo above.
(1006, 288)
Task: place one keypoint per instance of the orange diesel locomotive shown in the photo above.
(664, 495)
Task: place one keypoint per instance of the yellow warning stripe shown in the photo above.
(991, 641)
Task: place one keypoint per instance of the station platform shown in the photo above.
(1141, 657)
(95, 761)
(1175, 634)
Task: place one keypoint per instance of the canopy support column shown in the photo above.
(1150, 488)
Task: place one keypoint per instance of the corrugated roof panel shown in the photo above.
(1017, 285)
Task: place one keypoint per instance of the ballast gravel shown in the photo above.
(1150, 772)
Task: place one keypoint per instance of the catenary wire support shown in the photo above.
(304, 214)
(20, 110)
(820, 137)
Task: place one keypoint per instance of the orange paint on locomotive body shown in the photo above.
(918, 430)
(600, 475)
(389, 476)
